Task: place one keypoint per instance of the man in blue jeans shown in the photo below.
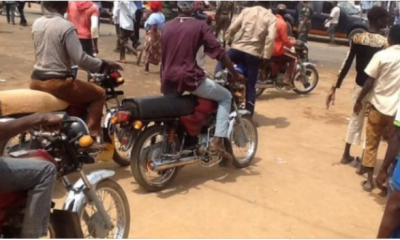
(181, 73)
(35, 176)
(257, 30)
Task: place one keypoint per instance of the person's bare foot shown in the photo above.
(122, 61)
(347, 159)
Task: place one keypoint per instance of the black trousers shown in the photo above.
(138, 17)
(21, 6)
(87, 47)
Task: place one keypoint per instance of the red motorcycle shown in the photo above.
(84, 212)
(174, 131)
(304, 79)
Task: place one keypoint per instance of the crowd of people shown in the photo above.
(179, 44)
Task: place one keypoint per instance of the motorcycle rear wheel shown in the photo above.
(310, 71)
(141, 155)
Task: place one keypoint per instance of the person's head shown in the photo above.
(378, 18)
(281, 9)
(56, 6)
(186, 7)
(334, 4)
(155, 6)
(394, 35)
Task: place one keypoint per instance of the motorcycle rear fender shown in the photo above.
(232, 118)
(6, 119)
(306, 64)
(76, 196)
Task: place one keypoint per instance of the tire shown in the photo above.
(354, 32)
(235, 140)
(313, 86)
(136, 160)
(118, 159)
(119, 193)
(259, 92)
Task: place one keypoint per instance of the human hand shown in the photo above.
(49, 121)
(357, 107)
(381, 179)
(239, 77)
(111, 65)
(330, 99)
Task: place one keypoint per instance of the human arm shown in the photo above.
(235, 27)
(283, 32)
(12, 128)
(373, 71)
(215, 51)
(270, 38)
(367, 88)
(391, 154)
(94, 28)
(390, 221)
(342, 74)
(77, 55)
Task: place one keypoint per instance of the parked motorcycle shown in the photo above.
(95, 207)
(116, 141)
(175, 131)
(304, 80)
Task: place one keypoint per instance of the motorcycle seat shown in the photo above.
(27, 101)
(161, 107)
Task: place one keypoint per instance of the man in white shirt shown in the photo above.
(384, 85)
(126, 14)
(333, 21)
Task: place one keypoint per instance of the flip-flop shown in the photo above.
(367, 189)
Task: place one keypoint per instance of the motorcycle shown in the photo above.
(117, 147)
(175, 131)
(84, 213)
(304, 80)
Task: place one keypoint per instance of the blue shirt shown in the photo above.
(139, 4)
(157, 19)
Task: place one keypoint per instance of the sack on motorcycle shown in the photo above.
(163, 107)
(25, 101)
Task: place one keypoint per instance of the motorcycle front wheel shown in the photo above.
(306, 81)
(149, 146)
(116, 205)
(244, 142)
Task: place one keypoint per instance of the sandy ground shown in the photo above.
(295, 189)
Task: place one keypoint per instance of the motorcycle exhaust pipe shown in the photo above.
(168, 164)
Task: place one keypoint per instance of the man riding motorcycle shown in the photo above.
(57, 47)
(180, 71)
(33, 175)
(282, 42)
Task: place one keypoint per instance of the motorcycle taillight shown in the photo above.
(121, 117)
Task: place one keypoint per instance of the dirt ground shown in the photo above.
(295, 188)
